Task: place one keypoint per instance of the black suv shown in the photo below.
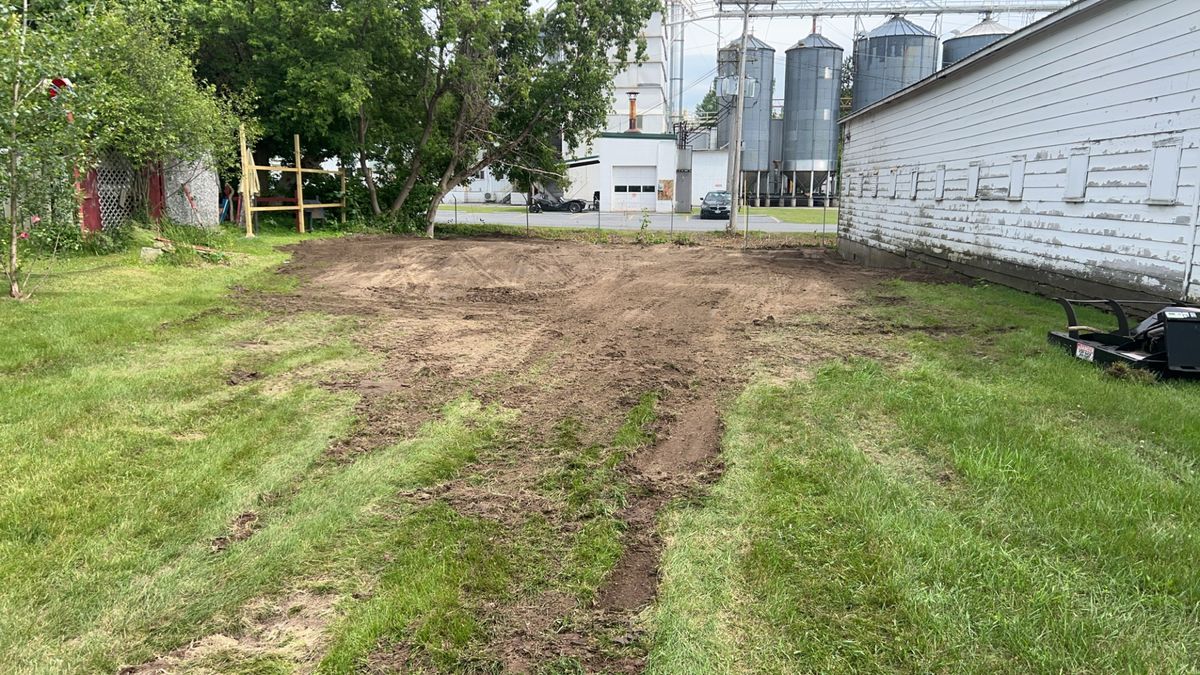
(715, 205)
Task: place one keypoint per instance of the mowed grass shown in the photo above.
(482, 208)
(794, 214)
(143, 412)
(961, 498)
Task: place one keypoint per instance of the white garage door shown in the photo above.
(634, 188)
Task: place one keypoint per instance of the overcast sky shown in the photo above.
(702, 39)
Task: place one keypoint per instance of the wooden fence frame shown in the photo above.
(248, 208)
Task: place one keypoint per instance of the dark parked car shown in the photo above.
(544, 202)
(715, 205)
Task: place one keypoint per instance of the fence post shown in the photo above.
(247, 218)
(299, 187)
(342, 171)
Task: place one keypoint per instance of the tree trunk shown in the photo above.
(414, 171)
(370, 176)
(12, 262)
(431, 213)
(362, 161)
(10, 269)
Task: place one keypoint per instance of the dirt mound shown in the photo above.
(556, 329)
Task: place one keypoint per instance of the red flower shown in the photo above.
(23, 235)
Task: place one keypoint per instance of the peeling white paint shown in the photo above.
(1119, 80)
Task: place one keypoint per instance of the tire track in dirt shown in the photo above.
(558, 329)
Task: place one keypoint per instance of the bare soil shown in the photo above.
(559, 329)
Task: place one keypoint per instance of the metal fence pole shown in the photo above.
(825, 210)
(455, 198)
(746, 205)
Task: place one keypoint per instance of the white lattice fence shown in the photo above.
(121, 193)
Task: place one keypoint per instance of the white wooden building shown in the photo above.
(1062, 157)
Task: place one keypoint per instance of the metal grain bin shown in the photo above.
(756, 114)
(890, 58)
(811, 99)
(972, 40)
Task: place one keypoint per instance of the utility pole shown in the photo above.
(735, 131)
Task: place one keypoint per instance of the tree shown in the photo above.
(133, 93)
(420, 94)
(515, 78)
(709, 108)
(847, 90)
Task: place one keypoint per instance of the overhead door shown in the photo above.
(634, 188)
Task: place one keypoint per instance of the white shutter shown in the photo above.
(1077, 175)
(1164, 172)
(1016, 178)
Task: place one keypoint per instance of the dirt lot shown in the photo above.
(558, 329)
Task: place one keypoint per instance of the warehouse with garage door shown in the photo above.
(1064, 156)
(631, 171)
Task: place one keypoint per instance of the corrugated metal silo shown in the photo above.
(756, 113)
(972, 40)
(811, 98)
(890, 58)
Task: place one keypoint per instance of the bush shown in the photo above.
(211, 237)
(64, 237)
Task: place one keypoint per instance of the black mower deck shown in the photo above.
(1167, 343)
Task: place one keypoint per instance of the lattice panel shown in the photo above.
(117, 187)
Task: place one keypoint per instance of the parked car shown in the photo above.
(715, 205)
(545, 202)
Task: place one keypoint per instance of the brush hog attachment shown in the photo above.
(1167, 343)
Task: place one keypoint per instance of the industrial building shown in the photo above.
(1063, 156)
(652, 157)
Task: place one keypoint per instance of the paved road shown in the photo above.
(626, 221)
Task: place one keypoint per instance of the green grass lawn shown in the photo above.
(947, 494)
(483, 208)
(128, 452)
(960, 498)
(800, 214)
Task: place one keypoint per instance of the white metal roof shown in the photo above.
(985, 27)
(1033, 30)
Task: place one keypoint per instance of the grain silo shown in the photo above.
(890, 58)
(972, 40)
(811, 96)
(756, 112)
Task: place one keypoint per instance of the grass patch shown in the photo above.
(988, 504)
(438, 560)
(588, 481)
(482, 208)
(130, 447)
(802, 215)
(439, 568)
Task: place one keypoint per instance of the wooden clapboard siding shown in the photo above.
(1113, 79)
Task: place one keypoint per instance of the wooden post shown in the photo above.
(343, 173)
(247, 218)
(299, 187)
